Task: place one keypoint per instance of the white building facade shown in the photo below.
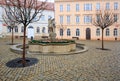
(36, 29)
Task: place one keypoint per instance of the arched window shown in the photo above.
(43, 30)
(22, 29)
(68, 32)
(38, 30)
(107, 32)
(98, 32)
(9, 29)
(61, 32)
(77, 32)
(115, 32)
(16, 29)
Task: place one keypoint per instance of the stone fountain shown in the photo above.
(51, 45)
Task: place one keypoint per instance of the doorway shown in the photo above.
(88, 33)
(30, 32)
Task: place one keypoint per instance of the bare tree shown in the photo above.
(25, 12)
(11, 24)
(103, 20)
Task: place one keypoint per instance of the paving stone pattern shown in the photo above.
(93, 65)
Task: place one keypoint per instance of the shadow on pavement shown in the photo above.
(104, 49)
(17, 63)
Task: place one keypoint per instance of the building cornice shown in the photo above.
(82, 0)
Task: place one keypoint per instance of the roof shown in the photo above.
(50, 6)
(82, 0)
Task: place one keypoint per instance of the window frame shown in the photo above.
(77, 19)
(107, 32)
(68, 7)
(98, 32)
(88, 7)
(16, 29)
(77, 7)
(98, 6)
(115, 17)
(61, 8)
(87, 19)
(116, 6)
(115, 32)
(38, 30)
(61, 32)
(107, 6)
(68, 32)
(9, 29)
(68, 19)
(61, 19)
(43, 30)
(22, 29)
(77, 32)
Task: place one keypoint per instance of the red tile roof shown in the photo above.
(50, 6)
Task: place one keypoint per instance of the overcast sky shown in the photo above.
(48, 0)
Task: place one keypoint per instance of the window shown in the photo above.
(9, 29)
(61, 8)
(87, 7)
(35, 19)
(115, 32)
(22, 29)
(77, 32)
(77, 7)
(68, 32)
(42, 18)
(87, 19)
(61, 19)
(98, 6)
(107, 17)
(68, 19)
(115, 17)
(43, 30)
(16, 29)
(98, 18)
(98, 32)
(107, 6)
(115, 6)
(38, 30)
(77, 19)
(68, 7)
(9, 14)
(61, 32)
(107, 32)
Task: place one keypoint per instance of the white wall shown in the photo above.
(0, 19)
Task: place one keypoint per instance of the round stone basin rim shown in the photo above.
(15, 49)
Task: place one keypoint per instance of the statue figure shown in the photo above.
(51, 29)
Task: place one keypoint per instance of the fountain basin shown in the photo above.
(49, 48)
(56, 46)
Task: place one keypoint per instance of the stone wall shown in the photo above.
(52, 48)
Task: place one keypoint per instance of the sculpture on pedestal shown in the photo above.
(51, 29)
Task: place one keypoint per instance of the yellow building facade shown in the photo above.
(74, 19)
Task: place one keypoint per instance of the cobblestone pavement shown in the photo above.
(93, 65)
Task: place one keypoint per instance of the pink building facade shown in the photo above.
(74, 19)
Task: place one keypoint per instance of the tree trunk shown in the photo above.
(102, 39)
(12, 37)
(24, 47)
